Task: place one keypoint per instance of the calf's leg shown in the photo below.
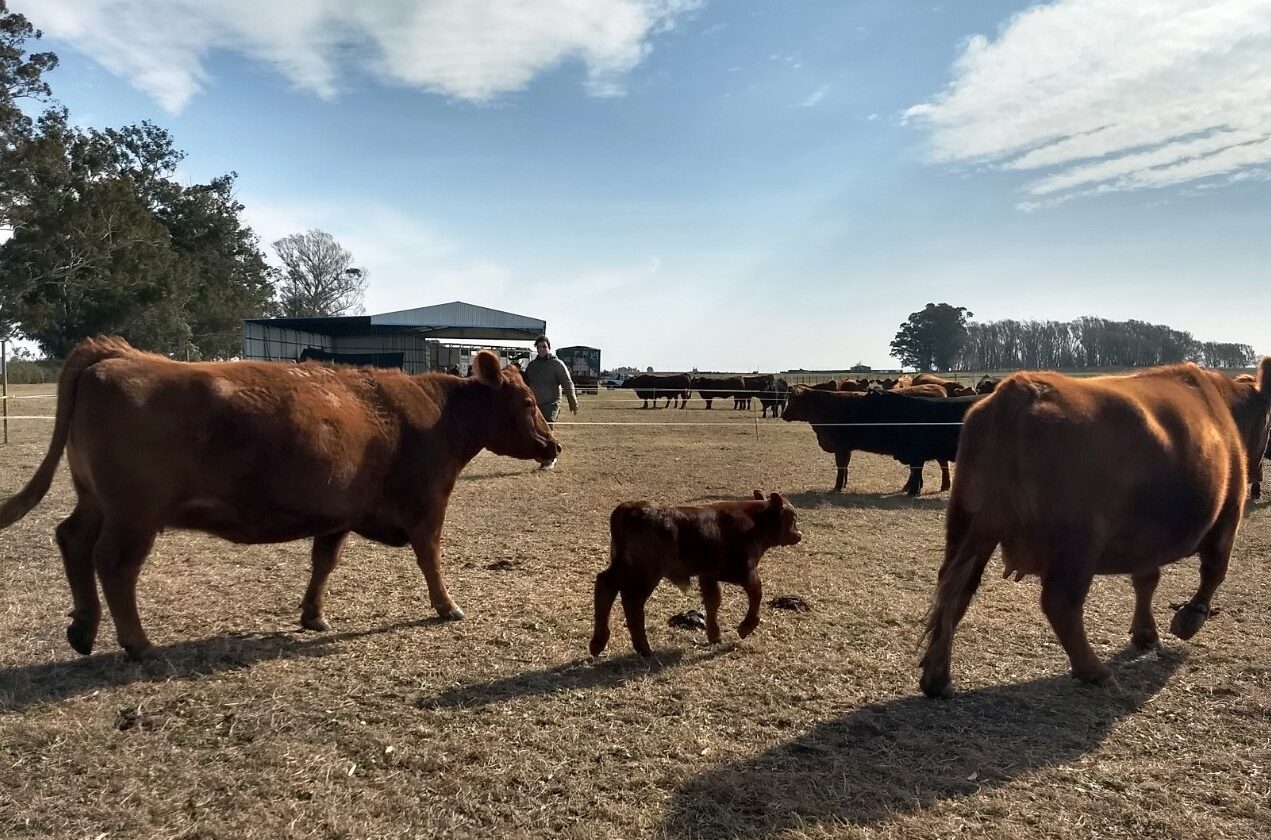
(711, 598)
(326, 553)
(1143, 634)
(606, 591)
(754, 592)
(635, 591)
(75, 537)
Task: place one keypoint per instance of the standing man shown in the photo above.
(547, 376)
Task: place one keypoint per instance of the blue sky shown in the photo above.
(726, 184)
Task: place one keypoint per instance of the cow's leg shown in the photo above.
(754, 593)
(1215, 552)
(945, 481)
(841, 462)
(76, 536)
(913, 486)
(708, 403)
(426, 541)
(711, 598)
(967, 552)
(1063, 598)
(1255, 483)
(326, 553)
(644, 404)
(635, 591)
(120, 550)
(1143, 633)
(607, 588)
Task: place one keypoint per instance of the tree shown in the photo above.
(932, 338)
(318, 277)
(105, 240)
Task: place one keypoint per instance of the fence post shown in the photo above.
(4, 388)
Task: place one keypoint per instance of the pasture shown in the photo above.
(398, 725)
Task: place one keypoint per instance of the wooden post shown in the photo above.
(4, 388)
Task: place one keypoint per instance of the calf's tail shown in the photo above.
(86, 354)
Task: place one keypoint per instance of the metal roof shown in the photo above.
(447, 320)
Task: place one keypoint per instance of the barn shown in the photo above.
(415, 340)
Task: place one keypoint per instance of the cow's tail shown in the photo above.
(86, 354)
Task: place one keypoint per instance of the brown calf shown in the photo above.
(715, 543)
(1107, 475)
(262, 452)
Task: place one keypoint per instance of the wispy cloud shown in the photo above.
(811, 100)
(471, 50)
(1094, 96)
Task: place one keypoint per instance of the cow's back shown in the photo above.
(1139, 466)
(201, 445)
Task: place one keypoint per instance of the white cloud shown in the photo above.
(472, 50)
(1093, 96)
(814, 97)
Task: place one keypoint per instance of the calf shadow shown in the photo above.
(904, 755)
(571, 676)
(868, 501)
(25, 686)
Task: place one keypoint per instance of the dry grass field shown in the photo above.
(397, 725)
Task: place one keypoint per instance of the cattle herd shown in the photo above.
(1071, 477)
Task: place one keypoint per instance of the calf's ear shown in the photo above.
(758, 495)
(488, 371)
(1264, 375)
(776, 500)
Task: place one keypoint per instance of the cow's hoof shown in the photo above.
(450, 613)
(1098, 674)
(140, 651)
(746, 628)
(1188, 620)
(597, 646)
(81, 637)
(937, 688)
(1145, 639)
(316, 623)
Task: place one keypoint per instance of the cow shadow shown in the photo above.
(577, 675)
(868, 501)
(24, 686)
(904, 755)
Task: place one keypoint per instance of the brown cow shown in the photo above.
(1255, 475)
(262, 452)
(715, 543)
(1107, 475)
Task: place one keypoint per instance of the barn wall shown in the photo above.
(268, 343)
(412, 347)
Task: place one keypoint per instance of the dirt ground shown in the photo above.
(397, 725)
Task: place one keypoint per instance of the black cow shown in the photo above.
(775, 397)
(716, 388)
(654, 386)
(883, 422)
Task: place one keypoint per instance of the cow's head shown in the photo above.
(796, 409)
(517, 428)
(777, 520)
(1251, 408)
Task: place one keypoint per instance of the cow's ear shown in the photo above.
(776, 500)
(758, 495)
(488, 371)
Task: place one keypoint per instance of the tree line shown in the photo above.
(103, 237)
(942, 337)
